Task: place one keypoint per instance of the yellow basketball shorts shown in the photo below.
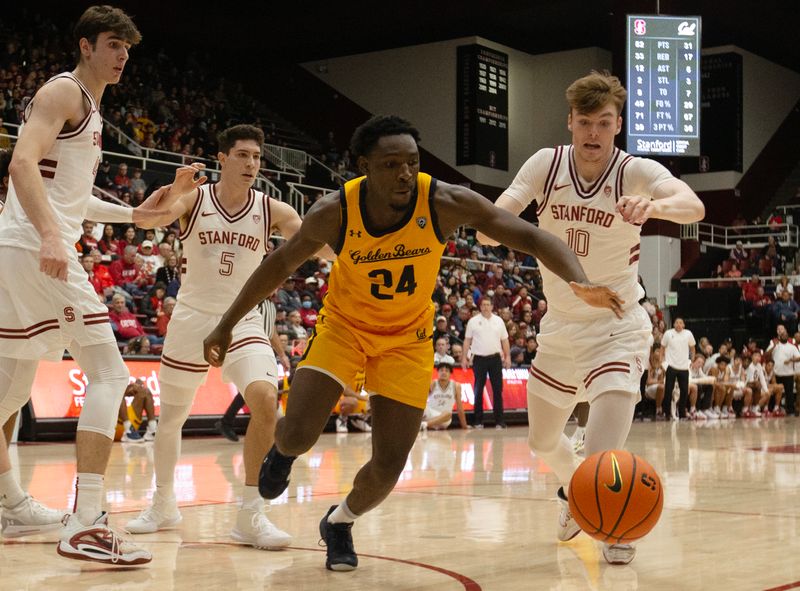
(398, 366)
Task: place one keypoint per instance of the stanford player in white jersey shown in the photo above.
(595, 197)
(225, 229)
(46, 302)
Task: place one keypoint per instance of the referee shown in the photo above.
(487, 339)
(225, 425)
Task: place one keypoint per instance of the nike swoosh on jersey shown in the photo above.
(207, 213)
(617, 485)
(559, 187)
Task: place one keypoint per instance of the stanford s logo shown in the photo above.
(69, 314)
(422, 334)
(617, 485)
(422, 221)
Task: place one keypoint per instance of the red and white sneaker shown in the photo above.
(99, 543)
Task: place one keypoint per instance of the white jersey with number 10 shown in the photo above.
(583, 215)
(221, 249)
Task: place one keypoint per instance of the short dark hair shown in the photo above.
(368, 133)
(446, 364)
(228, 137)
(102, 19)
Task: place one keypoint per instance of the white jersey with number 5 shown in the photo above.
(583, 215)
(221, 249)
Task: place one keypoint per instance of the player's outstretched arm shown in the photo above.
(503, 202)
(673, 201)
(172, 201)
(456, 206)
(320, 226)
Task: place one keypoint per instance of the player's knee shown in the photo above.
(262, 400)
(294, 438)
(389, 466)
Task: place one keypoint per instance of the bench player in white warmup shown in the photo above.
(46, 301)
(225, 230)
(595, 197)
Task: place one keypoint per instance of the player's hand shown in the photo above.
(215, 345)
(598, 296)
(156, 210)
(287, 365)
(635, 209)
(53, 260)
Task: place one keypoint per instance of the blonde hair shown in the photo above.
(594, 90)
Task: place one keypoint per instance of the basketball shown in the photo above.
(616, 497)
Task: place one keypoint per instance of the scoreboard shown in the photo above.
(663, 65)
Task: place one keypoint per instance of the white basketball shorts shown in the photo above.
(578, 360)
(41, 316)
(182, 362)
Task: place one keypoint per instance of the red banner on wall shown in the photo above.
(60, 387)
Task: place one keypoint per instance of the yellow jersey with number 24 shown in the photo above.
(382, 281)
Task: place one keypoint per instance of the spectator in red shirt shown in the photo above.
(520, 300)
(122, 179)
(501, 298)
(125, 324)
(750, 288)
(153, 302)
(166, 314)
(308, 314)
(108, 243)
(127, 275)
(129, 238)
(102, 284)
(87, 241)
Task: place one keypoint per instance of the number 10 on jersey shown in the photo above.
(578, 241)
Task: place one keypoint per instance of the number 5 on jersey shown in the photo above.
(406, 284)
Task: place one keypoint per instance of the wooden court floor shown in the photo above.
(473, 510)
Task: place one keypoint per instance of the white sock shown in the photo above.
(126, 426)
(89, 499)
(11, 494)
(342, 514)
(251, 499)
(152, 425)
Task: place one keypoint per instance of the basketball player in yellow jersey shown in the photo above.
(388, 228)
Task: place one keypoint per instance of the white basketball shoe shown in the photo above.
(163, 513)
(253, 527)
(98, 543)
(568, 528)
(29, 517)
(618, 553)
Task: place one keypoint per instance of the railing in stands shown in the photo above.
(295, 198)
(696, 281)
(751, 236)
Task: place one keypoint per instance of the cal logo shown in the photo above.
(422, 221)
(422, 334)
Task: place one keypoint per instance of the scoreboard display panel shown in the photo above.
(663, 65)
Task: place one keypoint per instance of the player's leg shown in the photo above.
(21, 514)
(308, 408)
(394, 430)
(683, 390)
(176, 404)
(332, 357)
(255, 373)
(86, 535)
(692, 401)
(669, 385)
(608, 427)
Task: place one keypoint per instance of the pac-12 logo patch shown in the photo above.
(257, 217)
(422, 221)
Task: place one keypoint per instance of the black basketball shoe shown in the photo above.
(339, 540)
(273, 478)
